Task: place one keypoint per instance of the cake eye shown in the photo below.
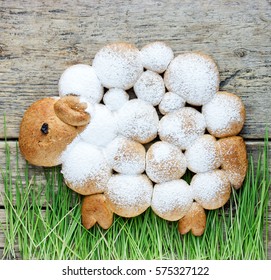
(44, 128)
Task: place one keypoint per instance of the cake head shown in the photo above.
(48, 126)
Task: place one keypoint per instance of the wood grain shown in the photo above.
(3, 222)
(40, 39)
(2, 238)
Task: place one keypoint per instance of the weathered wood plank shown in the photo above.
(17, 167)
(40, 39)
(2, 238)
(3, 222)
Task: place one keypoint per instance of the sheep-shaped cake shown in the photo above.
(125, 155)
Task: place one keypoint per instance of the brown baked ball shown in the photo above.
(203, 155)
(171, 200)
(43, 136)
(150, 87)
(138, 120)
(126, 156)
(194, 76)
(171, 102)
(224, 115)
(234, 159)
(129, 195)
(118, 65)
(211, 189)
(165, 162)
(182, 127)
(156, 56)
(85, 168)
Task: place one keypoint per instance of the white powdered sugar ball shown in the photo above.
(171, 200)
(156, 56)
(224, 114)
(129, 195)
(81, 79)
(115, 98)
(203, 155)
(138, 120)
(150, 87)
(182, 127)
(165, 162)
(85, 168)
(102, 128)
(171, 102)
(211, 189)
(118, 65)
(193, 76)
(126, 156)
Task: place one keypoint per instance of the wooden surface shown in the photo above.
(40, 39)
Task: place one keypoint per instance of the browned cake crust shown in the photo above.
(234, 159)
(194, 220)
(225, 114)
(95, 210)
(71, 111)
(43, 136)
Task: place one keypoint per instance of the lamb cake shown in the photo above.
(125, 153)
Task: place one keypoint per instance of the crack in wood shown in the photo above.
(229, 79)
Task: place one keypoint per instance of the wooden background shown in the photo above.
(40, 39)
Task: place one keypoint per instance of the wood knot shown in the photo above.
(240, 52)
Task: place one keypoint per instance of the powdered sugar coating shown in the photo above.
(165, 162)
(129, 195)
(193, 76)
(138, 121)
(182, 127)
(156, 56)
(203, 155)
(83, 163)
(118, 65)
(102, 128)
(115, 98)
(224, 114)
(126, 156)
(171, 102)
(171, 200)
(150, 87)
(211, 189)
(81, 79)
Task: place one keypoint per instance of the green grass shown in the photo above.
(43, 222)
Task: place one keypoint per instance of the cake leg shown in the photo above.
(95, 210)
(194, 220)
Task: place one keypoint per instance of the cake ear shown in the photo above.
(71, 111)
